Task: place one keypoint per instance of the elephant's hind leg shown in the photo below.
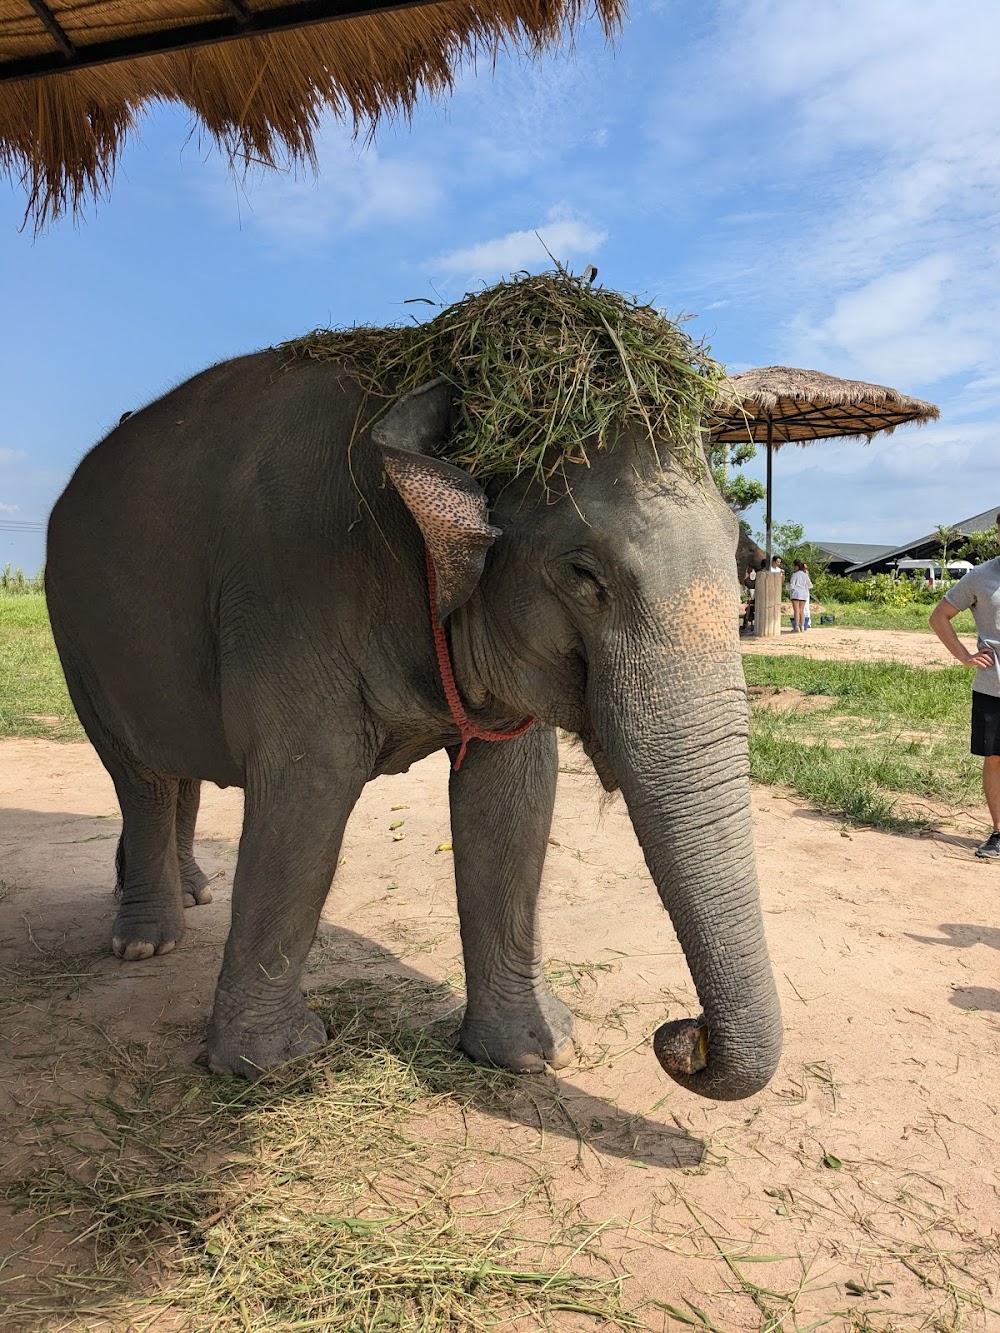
(150, 916)
(194, 881)
(501, 812)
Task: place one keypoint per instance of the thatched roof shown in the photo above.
(805, 405)
(76, 74)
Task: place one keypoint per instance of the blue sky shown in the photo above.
(816, 184)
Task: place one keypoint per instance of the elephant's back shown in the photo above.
(202, 467)
(183, 501)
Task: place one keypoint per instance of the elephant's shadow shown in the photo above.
(56, 922)
(98, 1057)
(546, 1103)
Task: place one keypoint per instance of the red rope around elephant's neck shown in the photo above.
(467, 730)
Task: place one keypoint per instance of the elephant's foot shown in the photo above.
(194, 886)
(141, 932)
(526, 1035)
(249, 1045)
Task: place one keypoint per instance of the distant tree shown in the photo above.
(979, 547)
(738, 491)
(947, 535)
(789, 541)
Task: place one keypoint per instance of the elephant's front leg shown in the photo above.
(292, 829)
(501, 813)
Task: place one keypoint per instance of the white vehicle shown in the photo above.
(930, 572)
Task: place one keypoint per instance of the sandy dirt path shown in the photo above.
(885, 950)
(842, 643)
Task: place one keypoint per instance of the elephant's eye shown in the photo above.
(579, 575)
(586, 582)
(585, 575)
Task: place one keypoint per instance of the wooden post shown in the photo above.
(768, 549)
(767, 604)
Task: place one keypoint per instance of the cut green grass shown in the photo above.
(547, 370)
(912, 697)
(33, 696)
(307, 1200)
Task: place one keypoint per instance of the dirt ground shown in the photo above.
(864, 1183)
(842, 643)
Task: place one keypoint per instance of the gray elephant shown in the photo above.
(239, 593)
(748, 554)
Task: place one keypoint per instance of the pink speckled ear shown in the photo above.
(448, 505)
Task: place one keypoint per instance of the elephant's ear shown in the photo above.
(448, 505)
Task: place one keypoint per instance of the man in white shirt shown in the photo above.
(979, 592)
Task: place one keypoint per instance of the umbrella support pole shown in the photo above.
(767, 503)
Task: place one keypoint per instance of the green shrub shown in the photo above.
(884, 590)
(838, 588)
(927, 596)
(15, 583)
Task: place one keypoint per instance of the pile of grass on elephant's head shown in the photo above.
(546, 368)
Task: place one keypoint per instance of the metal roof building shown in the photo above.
(927, 546)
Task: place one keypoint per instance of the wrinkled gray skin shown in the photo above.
(228, 609)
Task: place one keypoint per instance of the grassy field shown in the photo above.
(874, 732)
(864, 615)
(33, 696)
(864, 735)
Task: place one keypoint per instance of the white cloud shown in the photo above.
(9, 509)
(12, 455)
(874, 129)
(355, 187)
(910, 324)
(546, 115)
(892, 490)
(564, 239)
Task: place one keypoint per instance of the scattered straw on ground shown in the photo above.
(303, 1201)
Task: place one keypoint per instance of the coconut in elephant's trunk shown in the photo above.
(672, 723)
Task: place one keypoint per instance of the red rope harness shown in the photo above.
(466, 729)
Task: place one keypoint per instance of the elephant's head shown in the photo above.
(607, 605)
(748, 554)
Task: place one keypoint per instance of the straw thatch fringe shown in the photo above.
(806, 405)
(261, 98)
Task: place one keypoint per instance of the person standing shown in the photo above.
(799, 588)
(979, 592)
(750, 584)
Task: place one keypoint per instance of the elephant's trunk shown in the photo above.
(675, 733)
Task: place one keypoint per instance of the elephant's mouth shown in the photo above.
(601, 762)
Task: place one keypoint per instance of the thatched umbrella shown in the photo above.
(779, 405)
(258, 74)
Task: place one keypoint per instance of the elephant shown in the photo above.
(748, 554)
(249, 588)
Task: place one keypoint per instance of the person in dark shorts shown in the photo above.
(979, 592)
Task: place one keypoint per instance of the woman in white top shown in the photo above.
(799, 590)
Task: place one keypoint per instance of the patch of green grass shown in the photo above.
(914, 616)
(308, 1200)
(888, 729)
(913, 697)
(33, 696)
